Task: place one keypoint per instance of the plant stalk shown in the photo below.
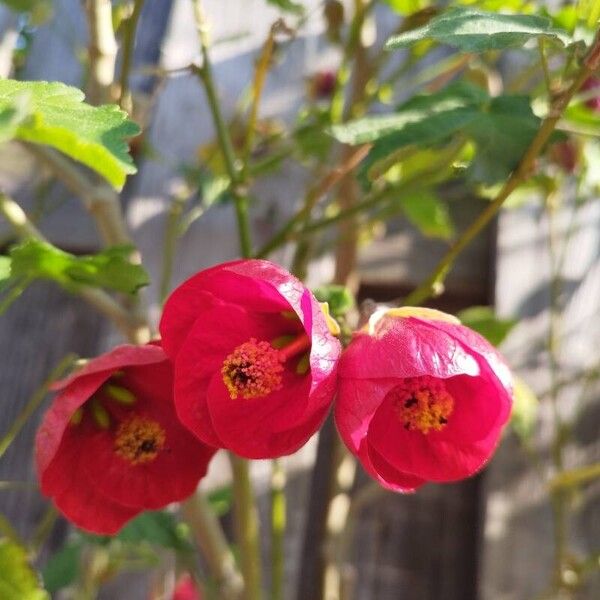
(238, 191)
(213, 544)
(246, 522)
(102, 51)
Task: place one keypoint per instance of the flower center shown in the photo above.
(252, 370)
(139, 440)
(422, 404)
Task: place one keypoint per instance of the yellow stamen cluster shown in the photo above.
(139, 440)
(423, 404)
(254, 369)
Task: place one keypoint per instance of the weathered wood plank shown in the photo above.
(519, 532)
(37, 331)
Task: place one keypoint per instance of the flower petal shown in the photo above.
(406, 348)
(428, 456)
(259, 427)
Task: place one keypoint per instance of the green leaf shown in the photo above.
(428, 214)
(20, 5)
(288, 6)
(484, 321)
(10, 287)
(220, 500)
(4, 270)
(502, 132)
(524, 411)
(426, 118)
(62, 569)
(17, 579)
(407, 7)
(501, 127)
(472, 30)
(158, 528)
(58, 117)
(339, 298)
(109, 269)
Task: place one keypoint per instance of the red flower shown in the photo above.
(590, 84)
(186, 589)
(421, 398)
(322, 85)
(255, 363)
(111, 446)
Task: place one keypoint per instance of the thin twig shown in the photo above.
(34, 402)
(312, 198)
(127, 60)
(246, 521)
(205, 72)
(213, 544)
(260, 76)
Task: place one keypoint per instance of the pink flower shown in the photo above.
(421, 398)
(255, 363)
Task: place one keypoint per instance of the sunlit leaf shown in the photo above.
(407, 7)
(473, 30)
(525, 409)
(338, 297)
(58, 117)
(17, 580)
(4, 270)
(426, 211)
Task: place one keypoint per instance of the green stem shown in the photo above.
(205, 72)
(260, 76)
(278, 524)
(213, 544)
(170, 245)
(545, 69)
(312, 198)
(128, 47)
(246, 521)
(34, 402)
(246, 515)
(576, 477)
(434, 284)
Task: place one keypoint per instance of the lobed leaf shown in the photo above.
(473, 30)
(57, 116)
(110, 269)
